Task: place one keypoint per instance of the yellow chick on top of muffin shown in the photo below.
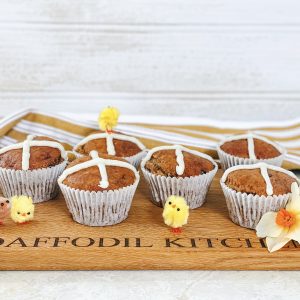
(108, 119)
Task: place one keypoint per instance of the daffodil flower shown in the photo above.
(282, 226)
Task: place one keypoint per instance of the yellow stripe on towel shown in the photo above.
(202, 138)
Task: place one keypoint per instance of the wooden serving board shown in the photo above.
(210, 241)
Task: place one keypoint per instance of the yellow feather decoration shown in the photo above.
(108, 118)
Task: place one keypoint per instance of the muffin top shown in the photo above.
(99, 173)
(250, 146)
(110, 143)
(259, 179)
(177, 161)
(36, 152)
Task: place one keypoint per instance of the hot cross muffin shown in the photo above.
(32, 167)
(176, 170)
(98, 189)
(252, 190)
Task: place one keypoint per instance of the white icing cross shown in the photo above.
(110, 148)
(180, 161)
(110, 145)
(28, 143)
(26, 152)
(264, 173)
(102, 169)
(101, 163)
(250, 142)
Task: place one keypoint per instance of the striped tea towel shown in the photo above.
(199, 134)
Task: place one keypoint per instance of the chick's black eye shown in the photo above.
(28, 213)
(170, 202)
(18, 212)
(7, 201)
(178, 209)
(2, 204)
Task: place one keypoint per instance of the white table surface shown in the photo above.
(181, 285)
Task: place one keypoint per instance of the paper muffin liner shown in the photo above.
(246, 210)
(228, 160)
(136, 159)
(193, 189)
(99, 208)
(41, 184)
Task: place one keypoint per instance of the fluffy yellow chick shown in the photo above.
(176, 213)
(22, 209)
(108, 118)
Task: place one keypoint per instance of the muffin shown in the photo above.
(252, 190)
(116, 144)
(32, 167)
(99, 189)
(176, 170)
(249, 149)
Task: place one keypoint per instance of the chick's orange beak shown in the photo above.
(173, 205)
(23, 215)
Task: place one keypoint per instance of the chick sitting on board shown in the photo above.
(176, 213)
(22, 209)
(4, 209)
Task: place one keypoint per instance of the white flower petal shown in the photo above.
(267, 226)
(277, 243)
(295, 189)
(294, 231)
(294, 203)
(295, 235)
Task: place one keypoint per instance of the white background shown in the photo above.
(212, 58)
(226, 59)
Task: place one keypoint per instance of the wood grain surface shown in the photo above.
(53, 241)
